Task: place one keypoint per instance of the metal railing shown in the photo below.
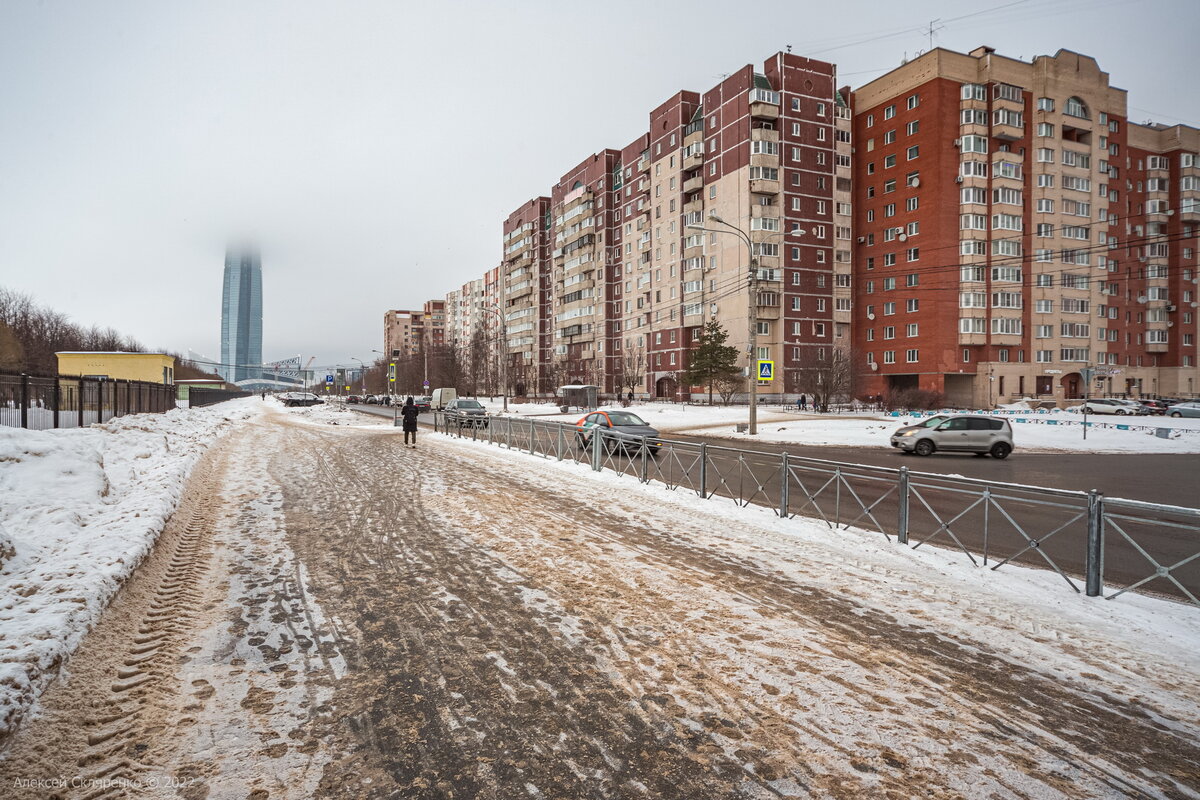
(1099, 546)
(44, 403)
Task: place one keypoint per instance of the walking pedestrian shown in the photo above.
(629, 398)
(803, 402)
(409, 414)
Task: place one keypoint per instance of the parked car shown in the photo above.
(1188, 408)
(628, 429)
(422, 403)
(466, 413)
(1154, 407)
(961, 433)
(353, 400)
(300, 399)
(1109, 405)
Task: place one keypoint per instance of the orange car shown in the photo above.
(622, 428)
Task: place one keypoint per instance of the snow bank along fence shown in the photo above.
(1101, 546)
(42, 403)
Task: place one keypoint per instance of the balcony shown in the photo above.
(695, 205)
(972, 338)
(1009, 133)
(571, 330)
(764, 135)
(693, 184)
(691, 136)
(763, 186)
(1157, 347)
(693, 162)
(763, 110)
(768, 312)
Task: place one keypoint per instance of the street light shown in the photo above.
(503, 354)
(752, 312)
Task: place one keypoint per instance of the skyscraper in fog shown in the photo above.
(241, 314)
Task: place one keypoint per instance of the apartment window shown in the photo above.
(1045, 129)
(974, 91)
(911, 204)
(914, 254)
(889, 309)
(974, 144)
(889, 161)
(889, 332)
(889, 186)
(870, 120)
(1045, 181)
(1045, 104)
(1075, 107)
(1045, 206)
(973, 169)
(970, 195)
(911, 356)
(1045, 155)
(973, 116)
(889, 210)
(913, 127)
(913, 152)
(890, 136)
(912, 304)
(889, 259)
(889, 112)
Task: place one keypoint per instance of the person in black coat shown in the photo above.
(409, 414)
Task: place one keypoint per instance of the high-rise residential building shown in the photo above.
(970, 225)
(581, 205)
(525, 285)
(241, 315)
(1008, 241)
(402, 332)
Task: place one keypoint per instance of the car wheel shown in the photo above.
(1001, 450)
(1121, 412)
(581, 440)
(924, 448)
(1176, 414)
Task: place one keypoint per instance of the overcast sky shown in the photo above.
(374, 148)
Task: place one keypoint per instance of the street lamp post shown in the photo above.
(503, 354)
(751, 314)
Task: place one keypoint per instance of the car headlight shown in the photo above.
(909, 433)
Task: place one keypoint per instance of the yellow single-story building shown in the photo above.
(150, 367)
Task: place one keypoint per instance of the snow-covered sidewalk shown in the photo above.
(81, 508)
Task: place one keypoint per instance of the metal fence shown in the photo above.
(206, 397)
(43, 403)
(1101, 546)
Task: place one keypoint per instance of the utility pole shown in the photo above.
(752, 360)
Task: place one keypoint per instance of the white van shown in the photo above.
(441, 398)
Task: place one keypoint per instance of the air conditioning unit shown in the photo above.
(1170, 308)
(958, 142)
(958, 179)
(862, 239)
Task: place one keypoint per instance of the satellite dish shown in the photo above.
(1141, 298)
(915, 182)
(872, 316)
(874, 367)
(902, 237)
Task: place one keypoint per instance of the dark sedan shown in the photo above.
(627, 430)
(466, 413)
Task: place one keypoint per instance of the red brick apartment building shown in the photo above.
(525, 308)
(1001, 233)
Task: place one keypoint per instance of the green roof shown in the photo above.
(841, 101)
(761, 82)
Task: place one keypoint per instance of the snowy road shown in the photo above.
(330, 614)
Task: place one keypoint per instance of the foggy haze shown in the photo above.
(372, 149)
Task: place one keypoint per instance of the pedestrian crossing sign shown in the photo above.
(766, 370)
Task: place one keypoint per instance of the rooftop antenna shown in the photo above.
(789, 48)
(932, 29)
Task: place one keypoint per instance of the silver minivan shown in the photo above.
(961, 433)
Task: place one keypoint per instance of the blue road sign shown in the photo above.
(766, 370)
(329, 380)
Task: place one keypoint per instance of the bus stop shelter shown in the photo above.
(578, 396)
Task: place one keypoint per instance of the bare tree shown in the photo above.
(632, 368)
(827, 373)
(726, 384)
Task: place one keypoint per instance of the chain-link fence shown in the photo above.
(1098, 545)
(44, 403)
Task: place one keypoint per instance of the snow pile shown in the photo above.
(81, 508)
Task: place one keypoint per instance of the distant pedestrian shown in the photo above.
(803, 402)
(409, 414)
(629, 398)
